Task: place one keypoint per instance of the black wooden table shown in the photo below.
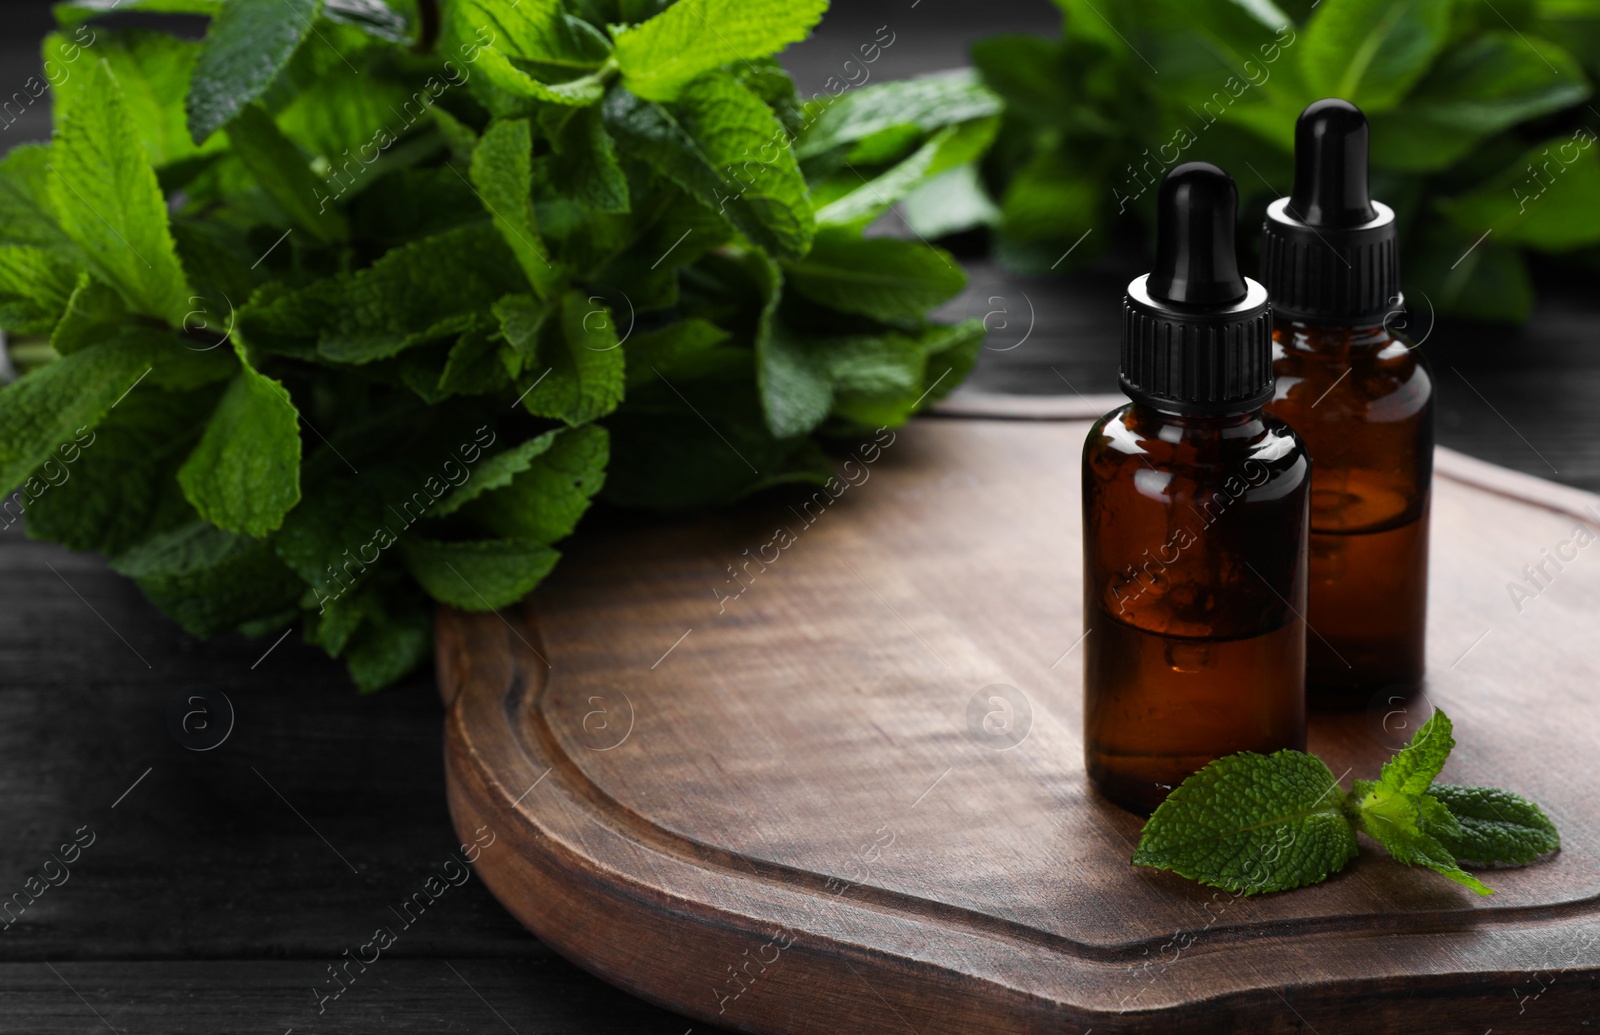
(214, 890)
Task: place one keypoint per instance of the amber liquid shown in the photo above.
(1363, 402)
(1195, 574)
(1369, 603)
(1164, 706)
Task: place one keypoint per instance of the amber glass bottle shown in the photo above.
(1194, 521)
(1361, 396)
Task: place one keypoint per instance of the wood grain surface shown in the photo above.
(777, 810)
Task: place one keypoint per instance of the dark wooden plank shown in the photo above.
(694, 778)
(203, 859)
(270, 997)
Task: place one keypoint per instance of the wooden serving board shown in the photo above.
(780, 810)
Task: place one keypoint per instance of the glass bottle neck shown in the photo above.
(1143, 416)
(1307, 335)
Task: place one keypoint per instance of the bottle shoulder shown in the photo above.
(1378, 376)
(1131, 438)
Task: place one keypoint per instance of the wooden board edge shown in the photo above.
(578, 897)
(1525, 488)
(620, 920)
(971, 403)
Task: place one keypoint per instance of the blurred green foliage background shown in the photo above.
(1483, 128)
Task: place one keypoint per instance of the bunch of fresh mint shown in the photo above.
(352, 304)
(1251, 823)
(1483, 126)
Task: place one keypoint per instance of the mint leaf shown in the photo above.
(497, 472)
(416, 242)
(585, 165)
(926, 103)
(949, 203)
(71, 12)
(210, 580)
(34, 288)
(27, 213)
(700, 438)
(1397, 812)
(651, 135)
(106, 197)
(1410, 827)
(473, 366)
(650, 353)
(1495, 827)
(882, 380)
(1196, 831)
(1412, 769)
(869, 379)
(415, 293)
(153, 70)
(952, 351)
(1371, 52)
(114, 487)
(531, 49)
(248, 44)
(537, 32)
(729, 152)
(1029, 73)
(1046, 202)
(766, 78)
(54, 404)
(1252, 823)
(764, 194)
(244, 475)
(410, 204)
(539, 490)
(796, 389)
(343, 533)
(1484, 86)
(373, 17)
(879, 276)
(1491, 283)
(462, 138)
(522, 319)
(946, 149)
(1496, 81)
(1553, 211)
(661, 56)
(502, 171)
(394, 636)
(478, 575)
(283, 172)
(339, 91)
(93, 314)
(583, 367)
(796, 392)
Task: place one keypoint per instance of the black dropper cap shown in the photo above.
(1196, 336)
(1329, 253)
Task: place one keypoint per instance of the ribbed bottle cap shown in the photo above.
(1329, 252)
(1196, 336)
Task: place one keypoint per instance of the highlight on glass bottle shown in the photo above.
(1195, 520)
(1361, 396)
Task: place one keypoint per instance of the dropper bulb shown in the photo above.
(1330, 166)
(1195, 259)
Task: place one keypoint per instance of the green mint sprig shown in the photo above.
(352, 307)
(1252, 823)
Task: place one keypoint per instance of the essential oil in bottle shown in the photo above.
(1361, 396)
(1194, 520)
